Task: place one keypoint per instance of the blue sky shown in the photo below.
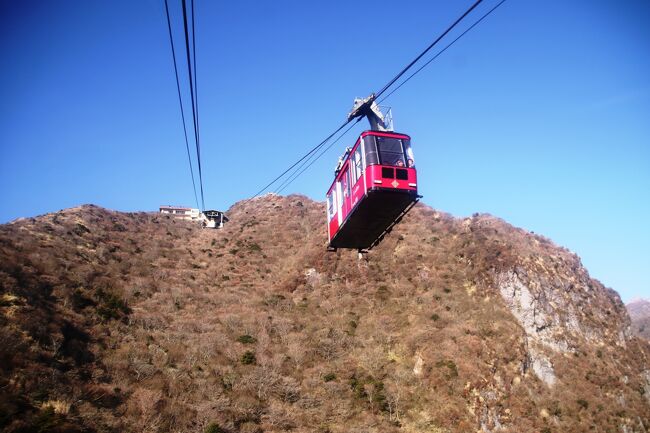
(540, 115)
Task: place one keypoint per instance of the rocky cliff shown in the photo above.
(137, 322)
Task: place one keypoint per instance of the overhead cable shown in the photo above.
(309, 163)
(299, 172)
(310, 154)
(196, 96)
(303, 157)
(194, 114)
(426, 50)
(180, 101)
(442, 51)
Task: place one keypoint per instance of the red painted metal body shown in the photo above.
(375, 184)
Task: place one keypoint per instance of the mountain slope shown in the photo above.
(138, 322)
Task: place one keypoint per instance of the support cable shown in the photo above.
(180, 101)
(196, 95)
(383, 90)
(433, 44)
(297, 174)
(196, 129)
(441, 51)
(303, 157)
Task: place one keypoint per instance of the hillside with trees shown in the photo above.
(137, 322)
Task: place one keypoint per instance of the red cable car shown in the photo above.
(375, 184)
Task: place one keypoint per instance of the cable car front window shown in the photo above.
(391, 151)
(410, 159)
(372, 157)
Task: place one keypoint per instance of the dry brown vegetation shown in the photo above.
(113, 322)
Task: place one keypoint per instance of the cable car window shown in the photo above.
(330, 205)
(371, 150)
(357, 165)
(345, 182)
(391, 151)
(410, 159)
(349, 186)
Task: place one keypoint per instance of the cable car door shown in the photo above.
(339, 203)
(344, 185)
